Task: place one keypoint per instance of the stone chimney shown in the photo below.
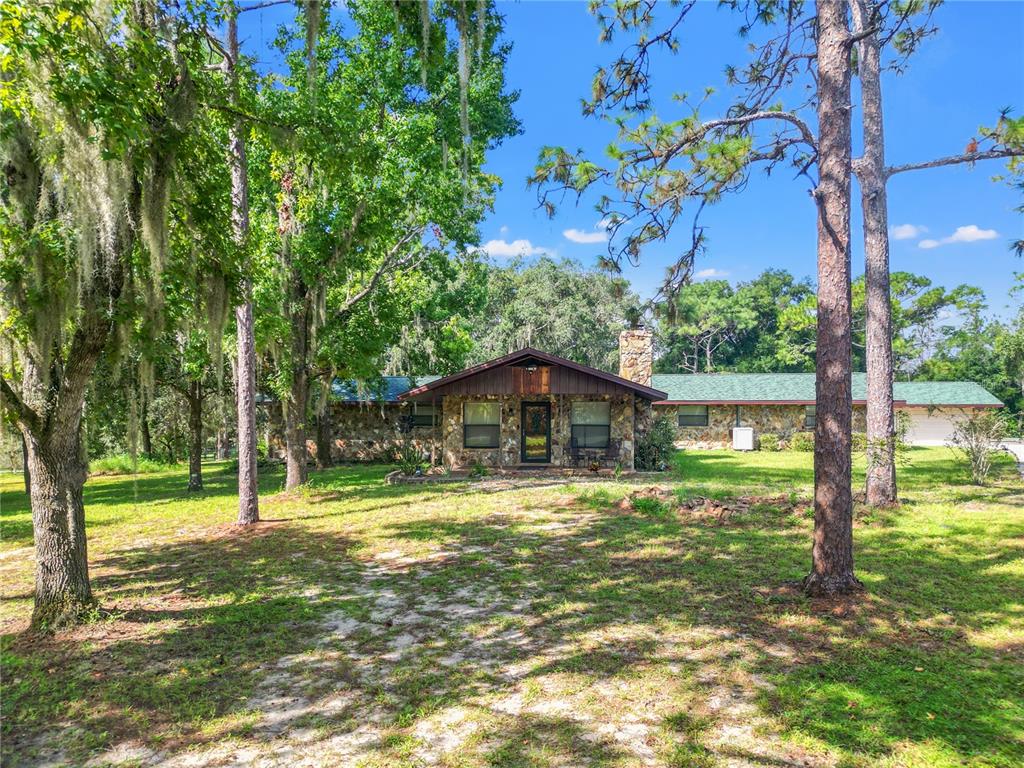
(636, 355)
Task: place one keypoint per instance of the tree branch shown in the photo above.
(991, 154)
(726, 122)
(265, 4)
(863, 35)
(10, 401)
(390, 264)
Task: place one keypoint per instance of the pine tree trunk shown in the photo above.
(832, 551)
(245, 387)
(323, 439)
(58, 472)
(195, 428)
(881, 423)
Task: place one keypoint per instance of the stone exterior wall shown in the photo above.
(360, 432)
(636, 355)
(508, 452)
(367, 432)
(782, 420)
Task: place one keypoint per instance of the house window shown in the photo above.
(810, 414)
(424, 415)
(591, 424)
(480, 425)
(693, 415)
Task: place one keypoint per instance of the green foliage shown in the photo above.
(655, 447)
(859, 442)
(123, 464)
(559, 307)
(759, 326)
(769, 441)
(367, 214)
(478, 469)
(650, 506)
(409, 457)
(802, 442)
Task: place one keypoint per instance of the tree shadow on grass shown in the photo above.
(186, 629)
(261, 634)
(722, 576)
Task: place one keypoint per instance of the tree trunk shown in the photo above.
(295, 428)
(223, 444)
(832, 551)
(58, 472)
(147, 439)
(245, 389)
(25, 474)
(881, 424)
(195, 429)
(323, 439)
(299, 308)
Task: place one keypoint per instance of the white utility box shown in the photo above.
(743, 438)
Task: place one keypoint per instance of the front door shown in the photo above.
(536, 433)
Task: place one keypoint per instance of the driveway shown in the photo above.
(1016, 447)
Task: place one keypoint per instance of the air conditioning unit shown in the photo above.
(743, 438)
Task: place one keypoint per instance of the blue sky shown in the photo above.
(958, 80)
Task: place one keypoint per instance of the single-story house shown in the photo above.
(533, 408)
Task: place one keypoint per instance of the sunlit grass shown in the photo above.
(677, 637)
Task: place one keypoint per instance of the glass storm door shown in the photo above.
(536, 432)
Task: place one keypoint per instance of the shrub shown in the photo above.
(655, 448)
(976, 439)
(122, 464)
(769, 441)
(409, 457)
(802, 441)
(478, 469)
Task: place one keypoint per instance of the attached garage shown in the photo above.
(935, 406)
(706, 407)
(931, 427)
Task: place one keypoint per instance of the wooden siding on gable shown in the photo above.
(516, 380)
(531, 382)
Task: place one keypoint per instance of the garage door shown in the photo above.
(930, 428)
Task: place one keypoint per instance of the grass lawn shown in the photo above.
(466, 625)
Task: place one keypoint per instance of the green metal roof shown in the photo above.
(799, 387)
(391, 387)
(727, 388)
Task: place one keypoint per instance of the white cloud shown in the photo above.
(503, 230)
(907, 231)
(502, 249)
(709, 273)
(969, 234)
(599, 235)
